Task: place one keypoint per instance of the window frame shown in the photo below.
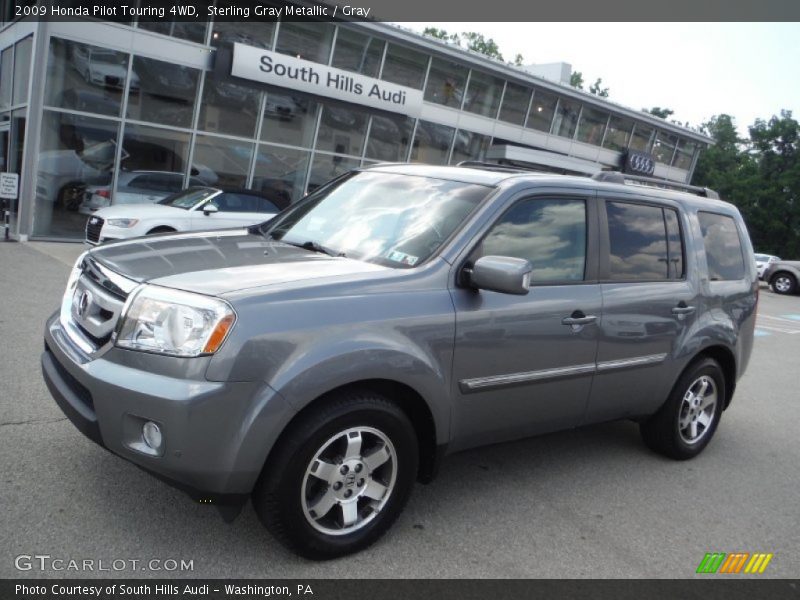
(604, 254)
(591, 265)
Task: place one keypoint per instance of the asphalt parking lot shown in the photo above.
(586, 503)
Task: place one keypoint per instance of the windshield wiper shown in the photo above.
(315, 247)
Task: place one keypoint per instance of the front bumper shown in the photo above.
(216, 434)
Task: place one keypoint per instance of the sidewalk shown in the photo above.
(64, 252)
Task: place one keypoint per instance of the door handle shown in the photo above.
(578, 318)
(683, 309)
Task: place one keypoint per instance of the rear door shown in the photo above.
(524, 364)
(649, 305)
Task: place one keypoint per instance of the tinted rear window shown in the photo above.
(723, 247)
(645, 243)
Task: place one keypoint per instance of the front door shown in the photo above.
(524, 364)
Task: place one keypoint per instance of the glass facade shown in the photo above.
(515, 104)
(432, 143)
(542, 111)
(446, 83)
(404, 66)
(483, 95)
(85, 78)
(162, 92)
(618, 134)
(592, 126)
(358, 52)
(309, 41)
(121, 123)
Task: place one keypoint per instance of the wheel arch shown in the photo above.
(161, 229)
(727, 362)
(409, 400)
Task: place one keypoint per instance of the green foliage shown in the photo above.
(760, 175)
(657, 111)
(597, 89)
(471, 40)
(576, 80)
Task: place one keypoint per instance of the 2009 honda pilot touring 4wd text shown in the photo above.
(324, 361)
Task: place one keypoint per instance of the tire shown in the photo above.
(319, 475)
(783, 283)
(682, 428)
(162, 229)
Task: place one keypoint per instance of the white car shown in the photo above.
(194, 209)
(136, 187)
(101, 67)
(763, 261)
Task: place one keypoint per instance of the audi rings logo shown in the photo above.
(83, 303)
(641, 163)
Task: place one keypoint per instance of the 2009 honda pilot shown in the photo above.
(325, 360)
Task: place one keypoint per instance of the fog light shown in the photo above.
(152, 435)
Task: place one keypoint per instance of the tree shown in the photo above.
(657, 111)
(774, 210)
(760, 175)
(576, 80)
(597, 90)
(471, 40)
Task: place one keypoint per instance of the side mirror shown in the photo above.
(210, 209)
(502, 274)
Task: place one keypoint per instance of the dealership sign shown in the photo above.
(639, 163)
(305, 76)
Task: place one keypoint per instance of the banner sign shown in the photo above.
(302, 75)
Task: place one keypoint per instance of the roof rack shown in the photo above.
(617, 177)
(477, 164)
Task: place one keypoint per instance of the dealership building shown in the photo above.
(144, 108)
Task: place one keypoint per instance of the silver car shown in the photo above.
(324, 361)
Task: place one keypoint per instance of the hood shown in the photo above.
(218, 262)
(147, 210)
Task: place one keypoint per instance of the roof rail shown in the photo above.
(618, 177)
(477, 164)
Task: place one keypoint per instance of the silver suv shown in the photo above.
(324, 361)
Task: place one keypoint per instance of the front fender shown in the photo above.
(330, 366)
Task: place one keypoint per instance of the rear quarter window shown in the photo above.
(723, 247)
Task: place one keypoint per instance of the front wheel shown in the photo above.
(686, 422)
(339, 477)
(783, 283)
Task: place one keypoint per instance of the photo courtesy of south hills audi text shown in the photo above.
(122, 590)
(162, 11)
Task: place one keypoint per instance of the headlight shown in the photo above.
(125, 223)
(173, 322)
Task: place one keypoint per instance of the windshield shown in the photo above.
(390, 219)
(187, 199)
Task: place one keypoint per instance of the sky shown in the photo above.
(747, 70)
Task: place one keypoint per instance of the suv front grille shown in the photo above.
(93, 227)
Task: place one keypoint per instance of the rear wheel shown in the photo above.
(686, 422)
(339, 477)
(783, 283)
